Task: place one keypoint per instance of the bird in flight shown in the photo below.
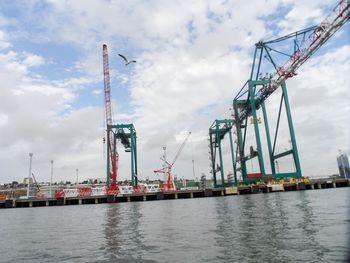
(127, 62)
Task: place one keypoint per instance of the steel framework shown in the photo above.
(125, 133)
(217, 132)
(240, 165)
(252, 96)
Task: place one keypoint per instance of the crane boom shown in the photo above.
(319, 36)
(113, 155)
(181, 148)
(107, 86)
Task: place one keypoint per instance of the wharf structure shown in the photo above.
(179, 194)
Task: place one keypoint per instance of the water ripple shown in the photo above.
(309, 226)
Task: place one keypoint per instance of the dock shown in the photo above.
(182, 194)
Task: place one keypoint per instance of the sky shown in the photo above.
(192, 59)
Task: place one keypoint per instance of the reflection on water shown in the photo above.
(223, 225)
(123, 236)
(112, 232)
(308, 230)
(280, 227)
(309, 226)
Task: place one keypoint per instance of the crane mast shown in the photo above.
(112, 153)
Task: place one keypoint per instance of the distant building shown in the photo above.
(343, 165)
(26, 179)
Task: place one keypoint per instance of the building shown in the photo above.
(343, 165)
(28, 179)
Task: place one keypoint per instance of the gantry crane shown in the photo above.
(259, 87)
(169, 184)
(217, 132)
(126, 133)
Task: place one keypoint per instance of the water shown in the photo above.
(309, 226)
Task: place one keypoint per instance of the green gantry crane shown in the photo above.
(217, 132)
(252, 96)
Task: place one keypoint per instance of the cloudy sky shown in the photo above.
(192, 59)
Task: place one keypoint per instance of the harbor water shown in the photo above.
(308, 226)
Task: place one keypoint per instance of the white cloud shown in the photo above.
(3, 41)
(36, 116)
(97, 91)
(3, 119)
(302, 15)
(32, 60)
(320, 105)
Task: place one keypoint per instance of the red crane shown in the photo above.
(112, 153)
(166, 170)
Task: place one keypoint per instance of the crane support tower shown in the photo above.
(217, 132)
(125, 133)
(269, 58)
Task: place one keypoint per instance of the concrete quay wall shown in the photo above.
(248, 189)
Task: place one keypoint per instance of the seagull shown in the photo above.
(127, 62)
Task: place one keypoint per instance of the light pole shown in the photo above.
(193, 170)
(30, 173)
(77, 172)
(51, 178)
